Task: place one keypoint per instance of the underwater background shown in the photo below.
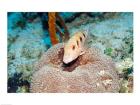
(30, 34)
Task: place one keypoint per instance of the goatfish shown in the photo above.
(74, 47)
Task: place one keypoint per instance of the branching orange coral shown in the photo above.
(52, 28)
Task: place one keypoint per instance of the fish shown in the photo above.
(74, 47)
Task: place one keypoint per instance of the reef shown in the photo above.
(29, 40)
(91, 72)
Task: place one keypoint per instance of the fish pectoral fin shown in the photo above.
(82, 52)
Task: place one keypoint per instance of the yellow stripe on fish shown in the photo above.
(74, 47)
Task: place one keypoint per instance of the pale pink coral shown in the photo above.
(91, 72)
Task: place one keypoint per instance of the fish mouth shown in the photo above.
(70, 61)
(67, 61)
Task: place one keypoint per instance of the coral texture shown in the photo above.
(91, 72)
